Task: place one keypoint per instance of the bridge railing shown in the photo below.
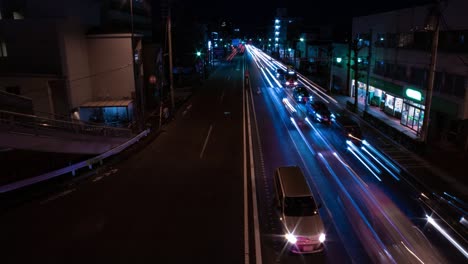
(35, 124)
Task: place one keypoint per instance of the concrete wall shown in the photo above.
(111, 68)
(35, 88)
(76, 64)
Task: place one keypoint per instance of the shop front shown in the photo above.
(403, 103)
(392, 104)
(413, 110)
(381, 96)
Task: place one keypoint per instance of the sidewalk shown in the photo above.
(444, 157)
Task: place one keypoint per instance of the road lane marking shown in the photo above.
(246, 201)
(258, 249)
(222, 96)
(54, 197)
(206, 141)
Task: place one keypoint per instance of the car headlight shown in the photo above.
(295, 83)
(299, 97)
(291, 238)
(287, 83)
(322, 238)
(318, 115)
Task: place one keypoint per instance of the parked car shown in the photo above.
(301, 94)
(318, 110)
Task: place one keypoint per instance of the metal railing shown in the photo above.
(72, 168)
(25, 123)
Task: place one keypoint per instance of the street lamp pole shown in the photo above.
(171, 75)
(432, 68)
(138, 88)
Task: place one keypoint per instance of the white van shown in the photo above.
(303, 228)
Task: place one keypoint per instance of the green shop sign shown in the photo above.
(413, 94)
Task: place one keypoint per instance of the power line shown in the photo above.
(99, 73)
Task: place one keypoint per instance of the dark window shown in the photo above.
(422, 40)
(447, 88)
(380, 41)
(379, 67)
(400, 73)
(300, 206)
(389, 70)
(418, 76)
(438, 81)
(392, 40)
(405, 40)
(459, 86)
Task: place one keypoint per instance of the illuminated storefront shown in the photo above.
(406, 104)
(393, 105)
(388, 103)
(413, 110)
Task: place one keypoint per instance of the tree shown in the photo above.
(356, 46)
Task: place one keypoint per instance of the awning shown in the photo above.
(107, 103)
(387, 86)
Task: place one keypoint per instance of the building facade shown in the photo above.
(73, 55)
(400, 58)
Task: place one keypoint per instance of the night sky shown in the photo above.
(261, 12)
(254, 15)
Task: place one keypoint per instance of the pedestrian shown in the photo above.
(166, 113)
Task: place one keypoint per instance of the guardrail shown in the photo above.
(72, 168)
(26, 123)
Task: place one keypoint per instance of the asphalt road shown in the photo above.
(367, 209)
(179, 200)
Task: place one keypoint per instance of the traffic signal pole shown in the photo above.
(171, 75)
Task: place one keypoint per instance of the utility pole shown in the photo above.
(348, 72)
(356, 76)
(435, 44)
(369, 58)
(356, 48)
(138, 87)
(330, 59)
(171, 75)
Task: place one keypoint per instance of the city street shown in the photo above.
(179, 200)
(202, 191)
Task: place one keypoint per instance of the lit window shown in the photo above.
(276, 39)
(3, 49)
(17, 15)
(277, 27)
(276, 33)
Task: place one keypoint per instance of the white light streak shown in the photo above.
(447, 236)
